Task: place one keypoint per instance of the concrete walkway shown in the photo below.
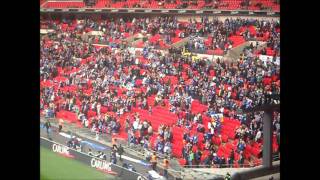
(274, 176)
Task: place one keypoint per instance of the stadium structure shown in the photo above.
(190, 89)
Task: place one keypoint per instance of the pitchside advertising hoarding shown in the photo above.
(94, 162)
(62, 150)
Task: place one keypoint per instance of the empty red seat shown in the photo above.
(64, 4)
(91, 113)
(182, 162)
(224, 138)
(255, 151)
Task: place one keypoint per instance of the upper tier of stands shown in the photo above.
(173, 4)
(203, 42)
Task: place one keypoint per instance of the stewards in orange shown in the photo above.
(165, 167)
(114, 144)
(154, 161)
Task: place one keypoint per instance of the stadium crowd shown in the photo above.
(204, 35)
(102, 85)
(273, 5)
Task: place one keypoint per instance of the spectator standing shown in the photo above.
(241, 159)
(120, 152)
(47, 125)
(191, 158)
(231, 158)
(165, 167)
(97, 135)
(127, 125)
(113, 157)
(258, 135)
(150, 130)
(114, 144)
(60, 124)
(198, 155)
(222, 162)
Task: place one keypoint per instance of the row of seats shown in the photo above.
(42, 2)
(237, 40)
(67, 115)
(218, 52)
(66, 4)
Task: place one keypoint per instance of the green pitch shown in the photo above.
(55, 167)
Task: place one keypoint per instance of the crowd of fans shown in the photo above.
(101, 85)
(203, 35)
(171, 4)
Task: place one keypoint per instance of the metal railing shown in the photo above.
(225, 165)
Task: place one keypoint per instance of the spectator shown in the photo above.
(154, 161)
(258, 135)
(215, 160)
(231, 158)
(208, 160)
(60, 124)
(198, 155)
(160, 145)
(223, 162)
(195, 139)
(47, 125)
(165, 167)
(127, 125)
(120, 152)
(241, 159)
(97, 135)
(113, 157)
(132, 140)
(200, 128)
(191, 158)
(136, 124)
(114, 144)
(146, 143)
(150, 130)
(241, 145)
(167, 148)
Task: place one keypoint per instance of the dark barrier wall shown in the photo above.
(90, 160)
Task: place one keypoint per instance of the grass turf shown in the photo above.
(56, 167)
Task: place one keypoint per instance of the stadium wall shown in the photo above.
(94, 162)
